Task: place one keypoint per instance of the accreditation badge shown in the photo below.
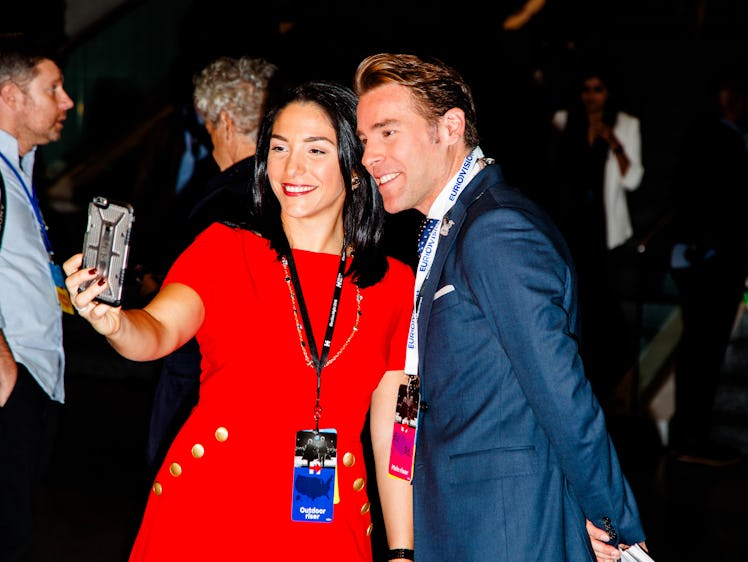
(62, 291)
(402, 451)
(315, 476)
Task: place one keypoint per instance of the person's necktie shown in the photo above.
(427, 225)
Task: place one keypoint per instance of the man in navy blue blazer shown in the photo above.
(513, 460)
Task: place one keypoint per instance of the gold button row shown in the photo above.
(349, 459)
(222, 434)
(197, 451)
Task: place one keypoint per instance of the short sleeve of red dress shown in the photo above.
(205, 263)
(229, 268)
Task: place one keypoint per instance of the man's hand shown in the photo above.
(599, 538)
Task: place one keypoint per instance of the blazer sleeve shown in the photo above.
(628, 133)
(524, 287)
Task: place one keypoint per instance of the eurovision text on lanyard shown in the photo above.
(437, 215)
(409, 404)
(57, 275)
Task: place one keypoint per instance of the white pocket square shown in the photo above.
(443, 291)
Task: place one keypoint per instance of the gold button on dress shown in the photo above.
(349, 459)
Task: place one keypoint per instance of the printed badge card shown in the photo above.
(404, 430)
(314, 480)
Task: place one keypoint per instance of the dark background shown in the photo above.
(664, 54)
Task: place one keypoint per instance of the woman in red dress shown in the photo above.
(302, 322)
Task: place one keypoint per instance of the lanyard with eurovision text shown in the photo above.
(31, 194)
(443, 203)
(405, 428)
(318, 360)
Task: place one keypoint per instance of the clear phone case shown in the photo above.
(106, 245)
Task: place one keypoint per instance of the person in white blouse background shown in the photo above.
(597, 162)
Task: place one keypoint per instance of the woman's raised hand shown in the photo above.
(104, 318)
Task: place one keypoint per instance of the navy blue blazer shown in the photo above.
(512, 451)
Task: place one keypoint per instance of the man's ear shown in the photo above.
(453, 123)
(228, 124)
(9, 93)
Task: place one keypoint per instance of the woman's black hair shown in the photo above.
(363, 210)
(577, 121)
(604, 73)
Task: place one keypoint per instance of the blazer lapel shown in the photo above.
(448, 234)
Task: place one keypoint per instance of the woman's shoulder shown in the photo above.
(398, 269)
(226, 232)
(393, 294)
(624, 118)
(220, 241)
(398, 279)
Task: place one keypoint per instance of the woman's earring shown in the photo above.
(355, 181)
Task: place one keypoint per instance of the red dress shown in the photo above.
(224, 491)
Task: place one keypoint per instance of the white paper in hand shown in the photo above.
(635, 554)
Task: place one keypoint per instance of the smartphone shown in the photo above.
(106, 245)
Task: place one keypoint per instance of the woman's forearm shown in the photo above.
(395, 494)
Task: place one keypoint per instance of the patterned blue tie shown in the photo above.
(426, 227)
